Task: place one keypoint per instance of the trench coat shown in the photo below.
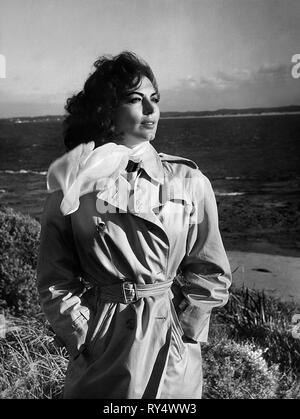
(170, 249)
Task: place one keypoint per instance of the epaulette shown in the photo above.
(177, 159)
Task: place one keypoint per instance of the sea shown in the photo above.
(256, 156)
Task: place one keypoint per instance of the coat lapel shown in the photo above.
(146, 199)
(149, 197)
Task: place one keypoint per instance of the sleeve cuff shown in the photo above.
(195, 323)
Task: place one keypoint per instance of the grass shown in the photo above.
(31, 366)
(251, 353)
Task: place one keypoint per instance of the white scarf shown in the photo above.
(85, 169)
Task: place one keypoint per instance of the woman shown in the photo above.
(131, 259)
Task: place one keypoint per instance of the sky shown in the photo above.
(205, 54)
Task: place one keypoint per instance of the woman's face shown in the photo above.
(137, 116)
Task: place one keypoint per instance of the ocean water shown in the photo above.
(252, 156)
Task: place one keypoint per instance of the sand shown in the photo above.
(277, 275)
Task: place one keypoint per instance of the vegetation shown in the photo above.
(31, 365)
(251, 352)
(253, 324)
(253, 316)
(238, 371)
(19, 240)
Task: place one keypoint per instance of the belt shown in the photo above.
(128, 292)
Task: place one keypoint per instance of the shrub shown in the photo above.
(235, 371)
(19, 241)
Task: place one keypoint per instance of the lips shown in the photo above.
(148, 124)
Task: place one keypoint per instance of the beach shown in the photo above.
(278, 276)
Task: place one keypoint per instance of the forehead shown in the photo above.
(145, 85)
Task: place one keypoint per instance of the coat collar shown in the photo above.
(151, 162)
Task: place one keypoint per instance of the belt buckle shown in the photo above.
(129, 292)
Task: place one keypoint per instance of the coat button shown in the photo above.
(101, 227)
(130, 324)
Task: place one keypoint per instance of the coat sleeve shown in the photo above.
(206, 272)
(58, 278)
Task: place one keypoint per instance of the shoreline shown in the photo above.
(178, 115)
(237, 115)
(260, 247)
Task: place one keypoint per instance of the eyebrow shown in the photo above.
(141, 94)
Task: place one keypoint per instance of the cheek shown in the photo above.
(126, 120)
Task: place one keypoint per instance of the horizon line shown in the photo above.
(205, 112)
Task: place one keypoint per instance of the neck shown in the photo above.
(133, 142)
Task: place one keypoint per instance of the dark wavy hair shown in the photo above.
(90, 112)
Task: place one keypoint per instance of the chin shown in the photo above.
(151, 137)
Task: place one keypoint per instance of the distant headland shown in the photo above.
(292, 109)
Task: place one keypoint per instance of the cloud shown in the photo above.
(268, 85)
(191, 84)
(238, 77)
(273, 70)
(219, 81)
(187, 83)
(235, 76)
(266, 72)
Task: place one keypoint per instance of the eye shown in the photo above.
(155, 99)
(134, 100)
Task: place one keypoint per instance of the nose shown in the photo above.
(148, 107)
